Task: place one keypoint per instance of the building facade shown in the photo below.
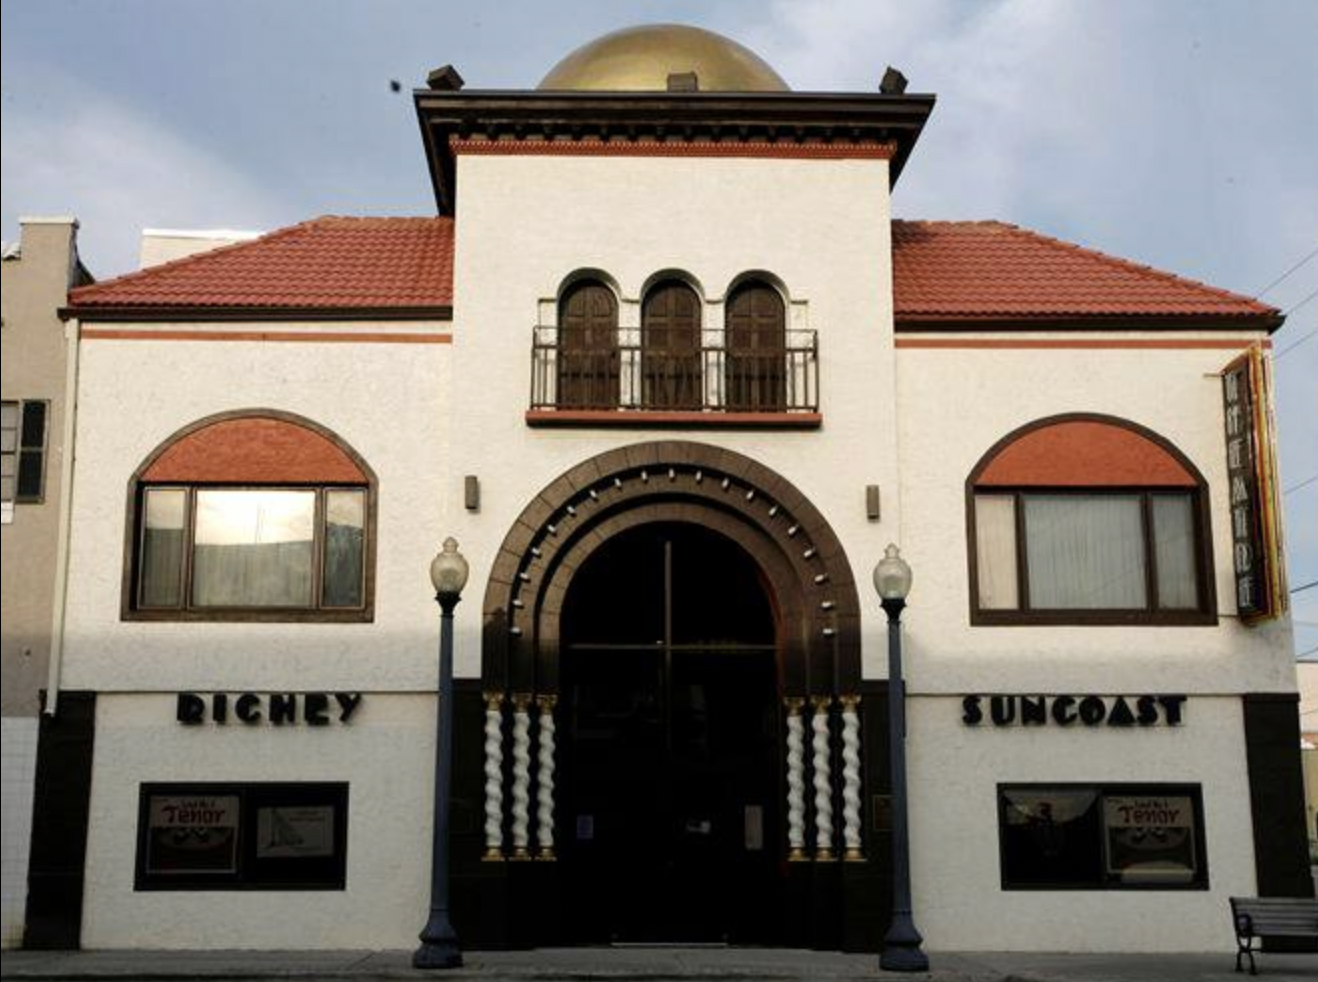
(672, 375)
(38, 272)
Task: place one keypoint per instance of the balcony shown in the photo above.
(774, 387)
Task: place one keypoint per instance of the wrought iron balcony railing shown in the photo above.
(711, 378)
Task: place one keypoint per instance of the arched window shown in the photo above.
(256, 515)
(588, 347)
(756, 342)
(1086, 519)
(671, 375)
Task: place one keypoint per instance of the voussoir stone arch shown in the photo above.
(672, 481)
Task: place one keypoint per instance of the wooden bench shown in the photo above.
(1271, 917)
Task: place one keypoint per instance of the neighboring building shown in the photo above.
(37, 273)
(163, 245)
(1308, 676)
(672, 375)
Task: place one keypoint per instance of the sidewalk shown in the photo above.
(637, 965)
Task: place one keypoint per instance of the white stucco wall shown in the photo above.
(954, 769)
(953, 405)
(385, 754)
(820, 226)
(389, 401)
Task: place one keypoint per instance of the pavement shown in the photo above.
(637, 964)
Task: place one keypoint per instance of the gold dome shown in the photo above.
(640, 59)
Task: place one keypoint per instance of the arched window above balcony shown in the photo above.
(755, 364)
(671, 371)
(588, 369)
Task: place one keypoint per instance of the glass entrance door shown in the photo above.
(669, 814)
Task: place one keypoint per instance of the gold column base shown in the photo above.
(521, 854)
(492, 855)
(797, 855)
(546, 855)
(853, 856)
(824, 856)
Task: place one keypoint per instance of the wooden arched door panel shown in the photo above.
(671, 376)
(588, 347)
(756, 343)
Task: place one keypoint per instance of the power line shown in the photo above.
(1295, 344)
(1307, 586)
(1286, 274)
(1297, 306)
(1303, 484)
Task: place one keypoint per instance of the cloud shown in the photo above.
(118, 171)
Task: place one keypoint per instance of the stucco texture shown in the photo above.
(388, 401)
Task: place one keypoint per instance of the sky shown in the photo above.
(1180, 133)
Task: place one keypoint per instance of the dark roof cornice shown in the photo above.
(788, 117)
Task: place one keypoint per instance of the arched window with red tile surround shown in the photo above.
(251, 515)
(1088, 519)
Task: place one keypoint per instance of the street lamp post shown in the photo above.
(901, 945)
(439, 942)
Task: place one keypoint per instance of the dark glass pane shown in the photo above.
(617, 596)
(34, 425)
(1051, 837)
(192, 833)
(1150, 838)
(161, 560)
(31, 473)
(345, 541)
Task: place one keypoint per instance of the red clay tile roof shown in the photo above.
(953, 271)
(944, 273)
(331, 263)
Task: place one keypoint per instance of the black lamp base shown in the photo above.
(437, 954)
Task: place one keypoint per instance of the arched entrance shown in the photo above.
(658, 590)
(668, 736)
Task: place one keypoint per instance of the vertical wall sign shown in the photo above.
(1251, 461)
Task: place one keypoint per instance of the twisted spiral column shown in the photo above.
(851, 826)
(544, 778)
(795, 778)
(823, 779)
(521, 775)
(494, 775)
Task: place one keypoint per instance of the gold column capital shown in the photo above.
(794, 705)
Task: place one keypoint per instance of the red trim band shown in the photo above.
(373, 337)
(595, 147)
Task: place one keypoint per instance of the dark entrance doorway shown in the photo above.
(669, 818)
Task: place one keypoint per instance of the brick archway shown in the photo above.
(672, 481)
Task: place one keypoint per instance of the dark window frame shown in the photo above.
(25, 451)
(1193, 791)
(1151, 613)
(1203, 615)
(186, 609)
(134, 528)
(249, 875)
